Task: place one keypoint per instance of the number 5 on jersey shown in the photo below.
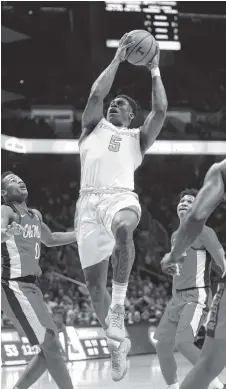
(115, 144)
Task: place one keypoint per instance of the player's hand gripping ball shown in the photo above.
(124, 43)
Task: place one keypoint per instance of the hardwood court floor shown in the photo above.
(144, 372)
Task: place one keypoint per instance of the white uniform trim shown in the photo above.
(14, 255)
(195, 323)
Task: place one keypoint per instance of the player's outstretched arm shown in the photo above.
(94, 108)
(208, 198)
(154, 121)
(51, 239)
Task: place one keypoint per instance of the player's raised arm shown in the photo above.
(154, 121)
(94, 108)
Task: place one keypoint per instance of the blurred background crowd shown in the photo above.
(43, 97)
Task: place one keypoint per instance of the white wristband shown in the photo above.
(155, 72)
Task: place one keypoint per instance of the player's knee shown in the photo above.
(123, 228)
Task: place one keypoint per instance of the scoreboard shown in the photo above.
(83, 343)
(160, 18)
(16, 349)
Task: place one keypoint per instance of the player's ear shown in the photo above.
(3, 192)
(131, 115)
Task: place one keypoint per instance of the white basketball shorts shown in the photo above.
(94, 215)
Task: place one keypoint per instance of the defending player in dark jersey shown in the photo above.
(22, 231)
(187, 310)
(213, 357)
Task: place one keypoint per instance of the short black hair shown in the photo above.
(5, 174)
(188, 192)
(131, 102)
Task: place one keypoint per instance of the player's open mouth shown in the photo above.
(183, 209)
(113, 110)
(23, 187)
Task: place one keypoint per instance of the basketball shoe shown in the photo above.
(119, 363)
(115, 323)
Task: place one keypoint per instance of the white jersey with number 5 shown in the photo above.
(110, 156)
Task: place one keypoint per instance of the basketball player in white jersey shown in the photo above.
(108, 210)
(213, 357)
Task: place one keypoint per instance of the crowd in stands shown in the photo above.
(56, 197)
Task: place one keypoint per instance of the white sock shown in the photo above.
(118, 293)
(174, 386)
(216, 384)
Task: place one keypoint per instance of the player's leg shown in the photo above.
(55, 363)
(122, 222)
(210, 364)
(49, 341)
(165, 334)
(123, 226)
(34, 370)
(191, 319)
(28, 306)
(94, 251)
(95, 245)
(37, 366)
(213, 356)
(96, 281)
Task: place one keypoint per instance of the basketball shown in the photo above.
(144, 48)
